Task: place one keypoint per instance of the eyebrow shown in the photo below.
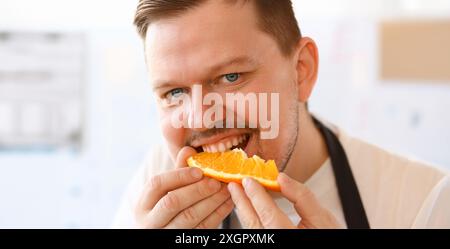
(232, 61)
(240, 60)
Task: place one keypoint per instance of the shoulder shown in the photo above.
(371, 158)
(156, 161)
(393, 188)
(434, 212)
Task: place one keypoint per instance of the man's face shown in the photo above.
(220, 46)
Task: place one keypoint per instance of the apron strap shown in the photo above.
(355, 215)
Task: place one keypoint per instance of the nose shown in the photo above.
(199, 106)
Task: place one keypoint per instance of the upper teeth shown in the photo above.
(224, 144)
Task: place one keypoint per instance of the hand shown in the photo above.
(183, 198)
(256, 209)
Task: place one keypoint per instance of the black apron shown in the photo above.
(354, 213)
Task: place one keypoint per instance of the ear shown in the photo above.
(306, 62)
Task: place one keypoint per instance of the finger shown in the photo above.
(305, 202)
(183, 155)
(270, 215)
(176, 201)
(193, 215)
(216, 218)
(244, 209)
(158, 186)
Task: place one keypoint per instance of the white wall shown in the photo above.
(82, 189)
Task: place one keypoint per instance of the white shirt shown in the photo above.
(396, 192)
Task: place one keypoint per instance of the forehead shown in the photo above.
(183, 47)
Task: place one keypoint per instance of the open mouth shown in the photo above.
(228, 143)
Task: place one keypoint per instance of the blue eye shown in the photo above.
(174, 97)
(232, 77)
(175, 92)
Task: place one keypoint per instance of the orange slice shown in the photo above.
(233, 166)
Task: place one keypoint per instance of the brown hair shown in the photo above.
(276, 18)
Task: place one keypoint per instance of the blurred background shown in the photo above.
(77, 115)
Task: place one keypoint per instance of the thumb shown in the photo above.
(305, 202)
(183, 155)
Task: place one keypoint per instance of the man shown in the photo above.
(327, 179)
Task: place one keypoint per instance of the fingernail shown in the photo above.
(196, 173)
(284, 178)
(214, 184)
(230, 186)
(247, 182)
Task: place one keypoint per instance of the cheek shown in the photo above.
(175, 137)
(283, 84)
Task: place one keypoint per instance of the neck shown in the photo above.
(310, 152)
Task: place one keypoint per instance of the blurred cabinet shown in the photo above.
(41, 89)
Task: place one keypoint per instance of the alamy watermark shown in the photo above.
(192, 115)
